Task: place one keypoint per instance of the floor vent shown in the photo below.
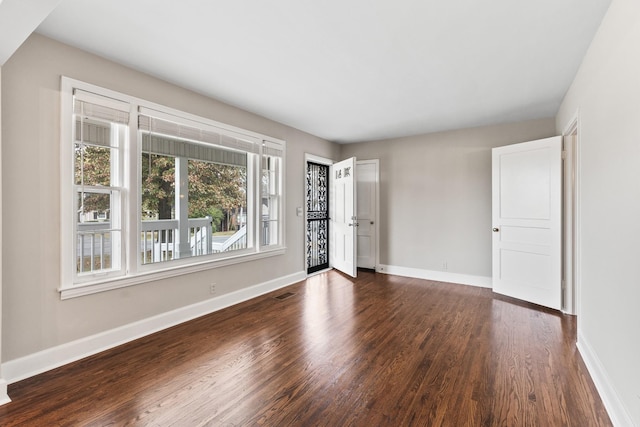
(285, 296)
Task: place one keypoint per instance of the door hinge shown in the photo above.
(564, 154)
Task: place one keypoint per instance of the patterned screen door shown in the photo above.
(317, 217)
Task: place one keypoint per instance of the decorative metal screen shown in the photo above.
(317, 217)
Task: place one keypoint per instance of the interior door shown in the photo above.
(527, 224)
(366, 185)
(343, 222)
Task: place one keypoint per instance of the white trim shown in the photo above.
(4, 397)
(440, 276)
(575, 123)
(612, 403)
(36, 363)
(153, 275)
(317, 159)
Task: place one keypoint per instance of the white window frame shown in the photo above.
(132, 270)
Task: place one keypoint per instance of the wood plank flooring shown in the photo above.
(379, 350)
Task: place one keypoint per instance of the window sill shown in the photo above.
(122, 282)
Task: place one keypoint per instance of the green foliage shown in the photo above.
(215, 190)
(158, 185)
(92, 168)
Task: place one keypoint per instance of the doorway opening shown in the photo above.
(317, 220)
(570, 219)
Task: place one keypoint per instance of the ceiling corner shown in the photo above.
(18, 19)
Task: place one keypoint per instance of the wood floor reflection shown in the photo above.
(379, 350)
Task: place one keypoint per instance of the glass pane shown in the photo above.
(158, 186)
(216, 208)
(97, 249)
(269, 178)
(269, 182)
(94, 132)
(93, 207)
(92, 165)
(269, 208)
(218, 193)
(269, 233)
(265, 182)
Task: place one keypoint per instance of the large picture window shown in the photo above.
(156, 192)
(194, 189)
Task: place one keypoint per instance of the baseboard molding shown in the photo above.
(612, 403)
(42, 361)
(4, 397)
(440, 276)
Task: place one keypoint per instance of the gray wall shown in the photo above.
(435, 195)
(606, 96)
(34, 317)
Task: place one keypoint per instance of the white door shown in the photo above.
(343, 222)
(527, 227)
(367, 189)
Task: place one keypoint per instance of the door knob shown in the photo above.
(496, 229)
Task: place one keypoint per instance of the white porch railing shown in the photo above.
(236, 241)
(94, 249)
(160, 239)
(200, 232)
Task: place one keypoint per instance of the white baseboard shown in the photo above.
(440, 276)
(42, 361)
(612, 403)
(4, 397)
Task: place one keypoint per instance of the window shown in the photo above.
(271, 191)
(153, 192)
(99, 134)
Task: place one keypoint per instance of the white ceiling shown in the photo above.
(18, 19)
(349, 70)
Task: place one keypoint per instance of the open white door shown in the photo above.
(527, 227)
(343, 222)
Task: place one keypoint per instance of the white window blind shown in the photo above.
(87, 104)
(198, 141)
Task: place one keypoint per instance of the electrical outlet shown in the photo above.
(445, 266)
(212, 288)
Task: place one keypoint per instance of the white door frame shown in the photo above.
(571, 217)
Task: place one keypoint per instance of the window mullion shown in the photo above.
(131, 182)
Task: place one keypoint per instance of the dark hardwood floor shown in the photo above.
(376, 351)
